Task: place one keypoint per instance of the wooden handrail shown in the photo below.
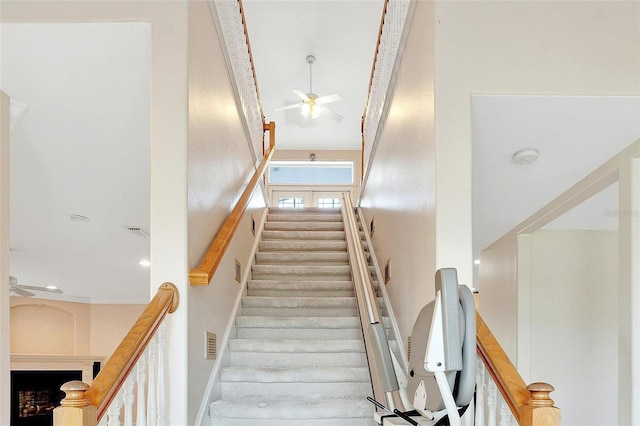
(203, 273)
(530, 405)
(375, 58)
(93, 401)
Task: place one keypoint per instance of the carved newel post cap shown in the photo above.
(540, 394)
(75, 396)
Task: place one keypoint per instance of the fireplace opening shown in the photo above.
(34, 395)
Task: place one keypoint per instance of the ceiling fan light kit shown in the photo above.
(312, 105)
(27, 290)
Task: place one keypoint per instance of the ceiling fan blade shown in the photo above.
(329, 98)
(337, 117)
(21, 292)
(292, 106)
(38, 288)
(301, 95)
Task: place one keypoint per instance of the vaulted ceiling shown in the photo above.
(69, 159)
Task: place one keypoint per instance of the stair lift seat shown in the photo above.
(442, 364)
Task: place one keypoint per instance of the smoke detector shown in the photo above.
(525, 157)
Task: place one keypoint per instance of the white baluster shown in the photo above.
(162, 368)
(113, 412)
(492, 402)
(468, 416)
(152, 403)
(141, 409)
(505, 414)
(127, 399)
(480, 387)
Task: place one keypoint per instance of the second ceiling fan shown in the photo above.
(313, 105)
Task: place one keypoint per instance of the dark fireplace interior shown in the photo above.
(34, 395)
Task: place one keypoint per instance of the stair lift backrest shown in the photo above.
(460, 344)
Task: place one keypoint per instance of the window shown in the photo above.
(329, 202)
(296, 203)
(311, 173)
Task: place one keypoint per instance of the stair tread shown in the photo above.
(257, 321)
(295, 375)
(296, 346)
(303, 409)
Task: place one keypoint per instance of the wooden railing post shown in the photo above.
(75, 409)
(539, 410)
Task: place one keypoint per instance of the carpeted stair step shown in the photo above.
(256, 327)
(299, 273)
(274, 288)
(295, 383)
(305, 211)
(344, 412)
(290, 245)
(304, 257)
(304, 226)
(300, 306)
(296, 353)
(308, 217)
(303, 235)
(259, 327)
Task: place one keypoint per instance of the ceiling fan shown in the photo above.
(312, 105)
(23, 290)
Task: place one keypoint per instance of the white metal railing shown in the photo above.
(231, 26)
(390, 43)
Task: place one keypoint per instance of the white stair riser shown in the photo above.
(303, 235)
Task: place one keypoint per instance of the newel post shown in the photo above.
(75, 409)
(539, 410)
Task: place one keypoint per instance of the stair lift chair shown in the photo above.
(442, 364)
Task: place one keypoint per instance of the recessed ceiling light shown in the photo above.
(145, 263)
(78, 218)
(525, 157)
(476, 262)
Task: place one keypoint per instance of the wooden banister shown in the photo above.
(375, 58)
(203, 273)
(530, 405)
(83, 402)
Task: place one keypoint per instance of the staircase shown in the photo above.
(298, 357)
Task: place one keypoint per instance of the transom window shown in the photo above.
(311, 173)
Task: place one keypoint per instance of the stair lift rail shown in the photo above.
(383, 376)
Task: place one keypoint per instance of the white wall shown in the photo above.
(574, 322)
(5, 398)
(168, 179)
(400, 190)
(220, 164)
(487, 47)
